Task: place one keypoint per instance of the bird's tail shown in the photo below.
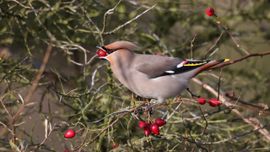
(209, 65)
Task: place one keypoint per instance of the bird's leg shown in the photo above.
(140, 109)
(162, 110)
(154, 103)
(149, 106)
(145, 107)
(192, 94)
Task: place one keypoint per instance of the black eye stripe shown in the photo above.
(109, 51)
(104, 48)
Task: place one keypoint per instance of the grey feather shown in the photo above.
(154, 65)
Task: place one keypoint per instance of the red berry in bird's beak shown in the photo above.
(160, 122)
(70, 133)
(101, 53)
(214, 102)
(209, 11)
(201, 101)
(154, 129)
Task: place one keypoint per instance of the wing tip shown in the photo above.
(223, 60)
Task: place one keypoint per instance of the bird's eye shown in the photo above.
(101, 53)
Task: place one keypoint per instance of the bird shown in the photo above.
(151, 76)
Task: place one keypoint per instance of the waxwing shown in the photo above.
(151, 76)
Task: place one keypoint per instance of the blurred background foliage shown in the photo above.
(77, 88)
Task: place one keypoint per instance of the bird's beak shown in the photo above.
(99, 47)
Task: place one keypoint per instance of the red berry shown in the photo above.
(147, 131)
(160, 122)
(209, 11)
(201, 100)
(115, 145)
(66, 150)
(142, 124)
(154, 129)
(70, 133)
(101, 53)
(214, 102)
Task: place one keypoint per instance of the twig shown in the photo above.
(174, 110)
(7, 128)
(48, 132)
(237, 44)
(206, 122)
(216, 142)
(121, 111)
(227, 30)
(260, 108)
(241, 59)
(104, 129)
(192, 45)
(34, 84)
(4, 106)
(234, 137)
(109, 12)
(128, 22)
(211, 49)
(219, 83)
(95, 26)
(24, 6)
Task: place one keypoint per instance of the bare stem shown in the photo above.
(34, 85)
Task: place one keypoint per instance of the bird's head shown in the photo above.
(104, 51)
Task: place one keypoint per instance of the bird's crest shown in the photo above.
(105, 50)
(122, 45)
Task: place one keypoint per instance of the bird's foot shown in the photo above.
(147, 108)
(152, 105)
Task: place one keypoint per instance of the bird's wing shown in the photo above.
(155, 66)
(187, 65)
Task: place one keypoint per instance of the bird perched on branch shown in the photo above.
(151, 76)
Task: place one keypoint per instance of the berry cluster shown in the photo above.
(214, 102)
(153, 128)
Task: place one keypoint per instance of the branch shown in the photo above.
(252, 121)
(262, 109)
(34, 84)
(241, 59)
(129, 21)
(212, 49)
